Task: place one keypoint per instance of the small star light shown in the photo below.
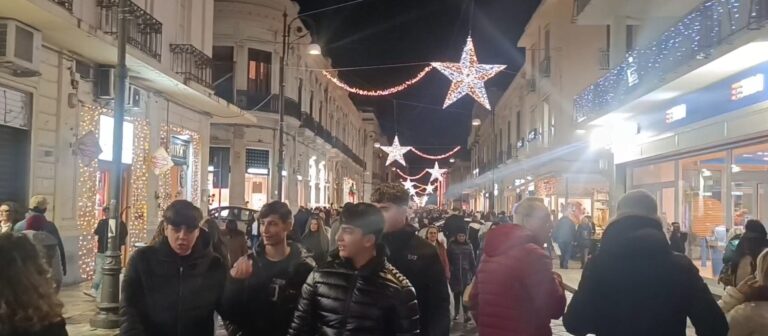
(430, 188)
(468, 76)
(395, 152)
(408, 185)
(437, 173)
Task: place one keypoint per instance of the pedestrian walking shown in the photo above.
(102, 236)
(217, 243)
(677, 238)
(38, 206)
(300, 221)
(584, 233)
(461, 258)
(335, 230)
(174, 287)
(29, 303)
(8, 214)
(316, 240)
(433, 234)
(742, 262)
(516, 292)
(565, 231)
(474, 230)
(48, 246)
(636, 285)
(746, 306)
(358, 292)
(454, 224)
(415, 258)
(235, 241)
(263, 289)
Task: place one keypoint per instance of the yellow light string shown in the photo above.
(86, 194)
(382, 92)
(139, 183)
(411, 177)
(436, 157)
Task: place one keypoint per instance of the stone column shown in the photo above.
(237, 167)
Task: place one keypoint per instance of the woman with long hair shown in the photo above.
(433, 237)
(753, 242)
(28, 302)
(316, 240)
(218, 246)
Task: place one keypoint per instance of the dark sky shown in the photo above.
(384, 32)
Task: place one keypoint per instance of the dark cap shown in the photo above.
(182, 213)
(364, 216)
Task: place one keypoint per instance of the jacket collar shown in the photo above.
(373, 266)
(397, 240)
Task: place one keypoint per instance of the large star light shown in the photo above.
(395, 152)
(437, 173)
(468, 76)
(430, 188)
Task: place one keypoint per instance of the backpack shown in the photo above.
(727, 275)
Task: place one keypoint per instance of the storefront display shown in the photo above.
(182, 181)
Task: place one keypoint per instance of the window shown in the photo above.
(518, 125)
(259, 76)
(223, 67)
(631, 37)
(509, 132)
(546, 43)
(312, 104)
(300, 94)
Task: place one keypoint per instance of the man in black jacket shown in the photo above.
(262, 291)
(415, 258)
(358, 292)
(636, 285)
(454, 224)
(173, 288)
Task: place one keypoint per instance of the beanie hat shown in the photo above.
(637, 203)
(38, 201)
(364, 216)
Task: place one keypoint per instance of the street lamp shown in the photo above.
(312, 49)
(476, 122)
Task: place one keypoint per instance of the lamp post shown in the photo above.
(312, 49)
(109, 301)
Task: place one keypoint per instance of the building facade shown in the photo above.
(57, 112)
(690, 97)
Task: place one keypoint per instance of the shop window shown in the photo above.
(749, 174)
(256, 177)
(703, 193)
(218, 176)
(655, 173)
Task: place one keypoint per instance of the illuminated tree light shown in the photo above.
(383, 92)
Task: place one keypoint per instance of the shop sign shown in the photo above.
(676, 113)
(747, 87)
(179, 150)
(632, 76)
(533, 134)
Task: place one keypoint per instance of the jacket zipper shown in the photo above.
(348, 303)
(178, 313)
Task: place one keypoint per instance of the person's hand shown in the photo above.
(242, 268)
(748, 286)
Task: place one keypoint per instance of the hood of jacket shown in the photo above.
(506, 237)
(41, 238)
(634, 235)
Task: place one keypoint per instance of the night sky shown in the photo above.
(385, 32)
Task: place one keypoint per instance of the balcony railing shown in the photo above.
(192, 64)
(694, 37)
(315, 127)
(145, 32)
(66, 4)
(605, 59)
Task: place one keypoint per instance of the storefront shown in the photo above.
(710, 171)
(15, 123)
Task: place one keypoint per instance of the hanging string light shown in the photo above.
(86, 194)
(410, 177)
(139, 183)
(436, 157)
(382, 92)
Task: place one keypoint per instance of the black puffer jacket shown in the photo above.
(165, 294)
(264, 303)
(419, 261)
(340, 300)
(636, 285)
(461, 257)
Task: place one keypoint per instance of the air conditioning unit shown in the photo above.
(135, 97)
(19, 49)
(104, 83)
(85, 70)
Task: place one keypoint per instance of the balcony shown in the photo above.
(66, 4)
(192, 64)
(309, 123)
(694, 37)
(145, 32)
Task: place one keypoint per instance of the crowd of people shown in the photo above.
(383, 268)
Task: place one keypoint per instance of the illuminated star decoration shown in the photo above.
(409, 186)
(468, 76)
(437, 173)
(430, 188)
(395, 152)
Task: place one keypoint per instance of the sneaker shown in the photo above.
(91, 293)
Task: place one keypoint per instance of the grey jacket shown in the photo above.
(48, 245)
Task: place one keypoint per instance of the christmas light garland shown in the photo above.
(411, 177)
(382, 92)
(139, 183)
(164, 189)
(436, 157)
(87, 174)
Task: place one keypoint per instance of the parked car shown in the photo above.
(243, 216)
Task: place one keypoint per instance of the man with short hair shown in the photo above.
(263, 289)
(102, 235)
(454, 224)
(516, 292)
(565, 231)
(174, 287)
(38, 206)
(415, 258)
(358, 292)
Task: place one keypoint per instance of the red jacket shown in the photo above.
(516, 292)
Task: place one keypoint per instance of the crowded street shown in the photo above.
(383, 167)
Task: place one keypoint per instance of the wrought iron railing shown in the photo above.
(307, 122)
(694, 37)
(145, 32)
(66, 4)
(192, 64)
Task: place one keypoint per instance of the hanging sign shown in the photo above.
(179, 150)
(161, 161)
(87, 147)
